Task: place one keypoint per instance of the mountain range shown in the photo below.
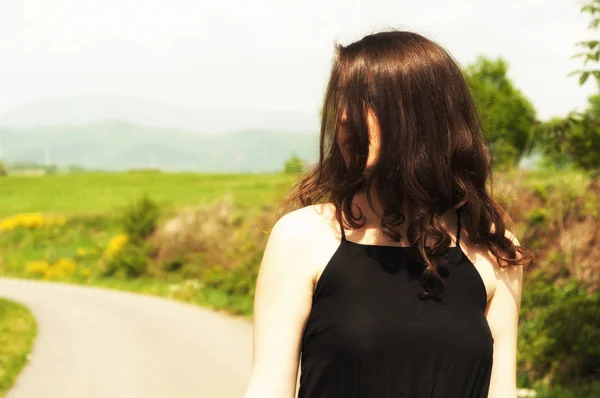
(114, 133)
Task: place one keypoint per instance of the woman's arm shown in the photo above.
(282, 304)
(503, 317)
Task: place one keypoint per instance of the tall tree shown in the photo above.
(508, 117)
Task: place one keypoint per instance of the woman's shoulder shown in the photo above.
(308, 235)
(487, 264)
(309, 222)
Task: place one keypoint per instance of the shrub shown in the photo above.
(130, 261)
(217, 247)
(559, 332)
(140, 218)
(582, 391)
(237, 270)
(294, 165)
(538, 216)
(194, 237)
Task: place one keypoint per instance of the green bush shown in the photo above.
(538, 216)
(583, 391)
(560, 332)
(140, 219)
(294, 165)
(131, 262)
(504, 153)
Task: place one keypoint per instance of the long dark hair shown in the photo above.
(433, 156)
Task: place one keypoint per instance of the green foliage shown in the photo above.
(590, 49)
(3, 169)
(504, 153)
(140, 219)
(584, 391)
(129, 257)
(238, 277)
(294, 165)
(131, 261)
(18, 329)
(508, 117)
(538, 216)
(574, 139)
(559, 332)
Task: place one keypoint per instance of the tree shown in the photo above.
(577, 137)
(590, 48)
(294, 165)
(507, 116)
(3, 170)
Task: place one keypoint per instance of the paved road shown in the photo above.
(97, 343)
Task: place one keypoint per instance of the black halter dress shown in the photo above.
(369, 335)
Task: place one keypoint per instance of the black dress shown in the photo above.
(369, 335)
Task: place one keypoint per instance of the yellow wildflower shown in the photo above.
(54, 273)
(38, 268)
(30, 221)
(115, 245)
(66, 265)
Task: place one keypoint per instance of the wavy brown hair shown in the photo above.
(433, 156)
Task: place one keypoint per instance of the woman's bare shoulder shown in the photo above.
(310, 222)
(486, 263)
(311, 234)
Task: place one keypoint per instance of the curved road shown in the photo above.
(98, 343)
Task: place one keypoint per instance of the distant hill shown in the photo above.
(119, 145)
(90, 109)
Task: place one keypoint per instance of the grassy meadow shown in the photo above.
(76, 194)
(17, 333)
(200, 238)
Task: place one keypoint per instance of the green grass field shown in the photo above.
(104, 192)
(17, 333)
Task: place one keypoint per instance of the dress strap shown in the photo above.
(458, 227)
(343, 232)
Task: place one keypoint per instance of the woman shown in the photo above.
(396, 277)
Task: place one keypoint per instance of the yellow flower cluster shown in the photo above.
(30, 221)
(115, 245)
(63, 267)
(86, 252)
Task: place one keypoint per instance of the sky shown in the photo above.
(267, 54)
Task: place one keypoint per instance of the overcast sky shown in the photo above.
(266, 54)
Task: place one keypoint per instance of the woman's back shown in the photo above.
(370, 335)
